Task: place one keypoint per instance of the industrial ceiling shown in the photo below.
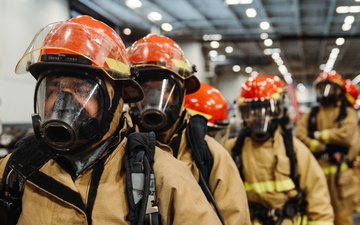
(304, 33)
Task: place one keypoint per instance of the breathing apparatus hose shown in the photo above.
(210, 197)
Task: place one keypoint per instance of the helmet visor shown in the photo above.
(66, 105)
(328, 90)
(258, 115)
(161, 105)
(66, 41)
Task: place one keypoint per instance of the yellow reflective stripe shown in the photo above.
(117, 65)
(357, 157)
(357, 209)
(255, 223)
(325, 136)
(181, 64)
(320, 223)
(270, 186)
(333, 169)
(313, 144)
(301, 220)
(195, 112)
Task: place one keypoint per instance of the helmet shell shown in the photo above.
(160, 52)
(209, 102)
(351, 92)
(81, 43)
(260, 87)
(331, 76)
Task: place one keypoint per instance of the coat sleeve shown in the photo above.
(301, 131)
(227, 186)
(181, 200)
(344, 134)
(313, 183)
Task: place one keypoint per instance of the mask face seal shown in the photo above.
(160, 108)
(69, 111)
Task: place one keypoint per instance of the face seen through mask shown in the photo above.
(81, 90)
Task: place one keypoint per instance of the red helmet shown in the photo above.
(160, 52)
(332, 76)
(261, 87)
(261, 106)
(351, 92)
(209, 102)
(81, 42)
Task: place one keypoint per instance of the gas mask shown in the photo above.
(161, 105)
(68, 111)
(328, 93)
(261, 117)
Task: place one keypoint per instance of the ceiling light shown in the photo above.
(275, 55)
(301, 87)
(270, 51)
(268, 42)
(214, 44)
(166, 27)
(346, 27)
(212, 37)
(213, 53)
(349, 20)
(322, 66)
(248, 69)
(254, 73)
(335, 50)
(127, 31)
(264, 36)
(236, 2)
(348, 9)
(229, 49)
(340, 41)
(251, 12)
(133, 4)
(236, 68)
(154, 16)
(264, 25)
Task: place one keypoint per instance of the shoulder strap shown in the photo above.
(138, 162)
(290, 153)
(236, 151)
(312, 124)
(27, 158)
(196, 131)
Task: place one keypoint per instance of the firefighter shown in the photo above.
(331, 133)
(77, 168)
(210, 103)
(283, 181)
(351, 94)
(166, 76)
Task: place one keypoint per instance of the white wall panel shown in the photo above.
(20, 20)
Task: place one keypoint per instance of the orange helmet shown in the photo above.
(81, 42)
(160, 52)
(260, 87)
(351, 92)
(329, 88)
(330, 77)
(82, 74)
(209, 102)
(261, 106)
